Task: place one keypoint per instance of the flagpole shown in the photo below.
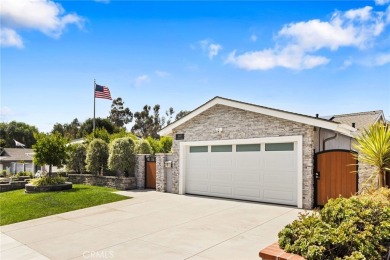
(94, 99)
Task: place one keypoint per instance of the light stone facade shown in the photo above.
(139, 171)
(242, 124)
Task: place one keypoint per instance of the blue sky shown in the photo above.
(302, 56)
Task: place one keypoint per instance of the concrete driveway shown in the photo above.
(152, 225)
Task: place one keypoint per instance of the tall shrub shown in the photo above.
(142, 147)
(122, 156)
(97, 155)
(50, 149)
(77, 154)
(166, 144)
(373, 146)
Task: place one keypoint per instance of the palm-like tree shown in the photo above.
(373, 146)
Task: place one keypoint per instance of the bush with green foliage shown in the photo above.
(97, 155)
(142, 146)
(165, 144)
(77, 153)
(154, 144)
(46, 181)
(122, 133)
(353, 228)
(100, 133)
(122, 156)
(50, 149)
(25, 174)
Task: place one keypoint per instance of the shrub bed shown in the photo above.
(354, 228)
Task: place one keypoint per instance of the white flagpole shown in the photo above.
(94, 99)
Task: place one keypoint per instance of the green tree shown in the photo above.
(119, 115)
(100, 133)
(50, 149)
(373, 147)
(181, 114)
(19, 131)
(122, 133)
(155, 144)
(165, 144)
(77, 154)
(97, 155)
(87, 127)
(122, 156)
(143, 147)
(148, 123)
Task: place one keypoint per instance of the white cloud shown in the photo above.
(45, 16)
(296, 43)
(212, 49)
(103, 1)
(161, 73)
(141, 79)
(348, 62)
(253, 37)
(377, 60)
(382, 2)
(10, 38)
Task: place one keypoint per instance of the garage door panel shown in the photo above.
(221, 190)
(279, 178)
(248, 192)
(268, 176)
(247, 177)
(221, 177)
(279, 195)
(197, 187)
(279, 160)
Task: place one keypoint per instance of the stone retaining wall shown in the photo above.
(119, 183)
(14, 185)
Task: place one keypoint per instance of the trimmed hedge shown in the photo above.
(353, 228)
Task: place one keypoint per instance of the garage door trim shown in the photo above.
(184, 146)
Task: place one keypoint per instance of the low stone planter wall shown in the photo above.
(14, 185)
(33, 189)
(119, 183)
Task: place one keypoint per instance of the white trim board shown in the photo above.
(296, 139)
(341, 128)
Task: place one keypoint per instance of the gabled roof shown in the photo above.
(362, 120)
(16, 154)
(304, 119)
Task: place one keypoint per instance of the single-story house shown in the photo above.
(232, 149)
(9, 157)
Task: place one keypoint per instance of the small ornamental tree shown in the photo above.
(142, 147)
(50, 149)
(373, 146)
(97, 155)
(122, 155)
(77, 154)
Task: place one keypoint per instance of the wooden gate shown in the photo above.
(335, 175)
(150, 172)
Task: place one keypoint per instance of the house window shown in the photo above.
(199, 149)
(279, 147)
(221, 148)
(248, 148)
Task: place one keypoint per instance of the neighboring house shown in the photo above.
(231, 149)
(11, 156)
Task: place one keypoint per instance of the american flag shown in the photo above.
(102, 92)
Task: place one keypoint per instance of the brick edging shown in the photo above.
(274, 252)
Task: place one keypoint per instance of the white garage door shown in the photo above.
(258, 171)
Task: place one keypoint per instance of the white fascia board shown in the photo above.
(341, 128)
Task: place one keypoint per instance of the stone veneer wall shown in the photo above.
(242, 124)
(163, 173)
(119, 183)
(140, 170)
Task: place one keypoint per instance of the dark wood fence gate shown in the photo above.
(150, 172)
(335, 175)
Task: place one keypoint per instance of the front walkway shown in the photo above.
(152, 225)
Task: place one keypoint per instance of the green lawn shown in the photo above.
(16, 206)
